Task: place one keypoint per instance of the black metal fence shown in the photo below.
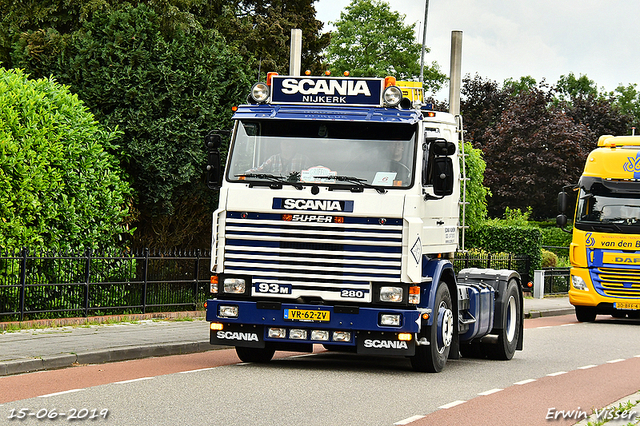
(522, 263)
(53, 285)
(556, 280)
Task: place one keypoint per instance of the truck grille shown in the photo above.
(617, 282)
(331, 261)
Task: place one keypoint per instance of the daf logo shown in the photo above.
(385, 344)
(292, 86)
(627, 259)
(234, 335)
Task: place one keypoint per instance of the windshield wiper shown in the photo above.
(278, 180)
(361, 183)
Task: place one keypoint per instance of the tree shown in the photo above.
(481, 106)
(628, 102)
(569, 87)
(257, 30)
(371, 40)
(531, 152)
(476, 192)
(59, 187)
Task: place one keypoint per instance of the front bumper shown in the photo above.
(256, 322)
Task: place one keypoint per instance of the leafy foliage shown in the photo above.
(371, 40)
(476, 194)
(59, 187)
(533, 150)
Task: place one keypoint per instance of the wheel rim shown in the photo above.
(445, 327)
(512, 319)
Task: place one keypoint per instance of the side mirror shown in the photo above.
(561, 220)
(563, 202)
(442, 176)
(213, 142)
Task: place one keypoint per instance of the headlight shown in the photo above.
(391, 294)
(578, 283)
(260, 92)
(392, 96)
(230, 311)
(235, 285)
(392, 320)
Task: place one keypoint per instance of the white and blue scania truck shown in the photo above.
(338, 216)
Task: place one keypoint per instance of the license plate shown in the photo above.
(627, 306)
(306, 315)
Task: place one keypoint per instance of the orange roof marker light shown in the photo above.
(307, 72)
(327, 73)
(346, 73)
(389, 81)
(269, 76)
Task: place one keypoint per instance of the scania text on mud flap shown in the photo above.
(605, 251)
(338, 217)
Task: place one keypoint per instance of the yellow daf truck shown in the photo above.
(605, 251)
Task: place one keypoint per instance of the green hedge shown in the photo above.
(519, 240)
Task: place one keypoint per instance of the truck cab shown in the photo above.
(605, 250)
(338, 216)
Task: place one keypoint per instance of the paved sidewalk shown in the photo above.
(58, 347)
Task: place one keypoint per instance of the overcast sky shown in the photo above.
(544, 38)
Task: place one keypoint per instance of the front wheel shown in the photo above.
(260, 355)
(433, 357)
(586, 313)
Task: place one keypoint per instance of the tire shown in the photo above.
(586, 313)
(505, 346)
(433, 357)
(259, 355)
(619, 314)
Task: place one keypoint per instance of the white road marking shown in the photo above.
(489, 392)
(452, 404)
(195, 371)
(613, 361)
(558, 373)
(524, 382)
(133, 380)
(408, 420)
(60, 393)
(585, 367)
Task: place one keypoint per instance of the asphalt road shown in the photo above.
(565, 365)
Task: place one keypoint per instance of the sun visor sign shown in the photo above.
(301, 204)
(326, 91)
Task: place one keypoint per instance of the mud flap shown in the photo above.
(248, 336)
(384, 343)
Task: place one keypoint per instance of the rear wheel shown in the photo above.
(433, 357)
(586, 313)
(255, 354)
(505, 346)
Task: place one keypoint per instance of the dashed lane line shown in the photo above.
(489, 392)
(452, 404)
(524, 382)
(408, 420)
(557, 373)
(60, 393)
(133, 380)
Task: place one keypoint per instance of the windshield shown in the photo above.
(599, 203)
(328, 153)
